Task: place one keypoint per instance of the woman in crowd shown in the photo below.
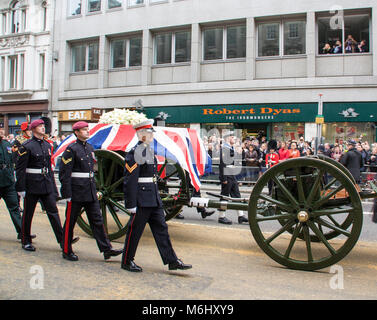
(293, 152)
(337, 153)
(283, 151)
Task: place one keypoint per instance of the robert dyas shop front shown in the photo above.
(282, 122)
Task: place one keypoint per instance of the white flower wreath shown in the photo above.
(122, 116)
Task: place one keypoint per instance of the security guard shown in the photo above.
(35, 181)
(76, 175)
(227, 176)
(144, 203)
(7, 183)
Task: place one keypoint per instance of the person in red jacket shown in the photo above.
(294, 152)
(283, 151)
(272, 158)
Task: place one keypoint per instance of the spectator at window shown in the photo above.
(350, 45)
(327, 49)
(338, 47)
(363, 46)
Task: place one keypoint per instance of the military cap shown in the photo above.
(228, 134)
(36, 123)
(79, 125)
(351, 142)
(145, 125)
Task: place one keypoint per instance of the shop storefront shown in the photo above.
(282, 122)
(14, 113)
(278, 121)
(67, 118)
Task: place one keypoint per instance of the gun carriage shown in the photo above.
(311, 220)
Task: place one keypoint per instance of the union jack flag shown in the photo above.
(179, 145)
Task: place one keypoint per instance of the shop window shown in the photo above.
(347, 34)
(283, 38)
(94, 5)
(111, 4)
(172, 48)
(340, 132)
(288, 131)
(85, 57)
(74, 7)
(126, 52)
(222, 43)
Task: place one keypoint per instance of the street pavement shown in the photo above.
(227, 264)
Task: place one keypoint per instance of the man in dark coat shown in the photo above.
(352, 160)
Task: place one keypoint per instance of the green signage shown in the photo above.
(304, 112)
(249, 113)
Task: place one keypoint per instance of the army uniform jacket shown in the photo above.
(6, 164)
(137, 192)
(35, 154)
(78, 158)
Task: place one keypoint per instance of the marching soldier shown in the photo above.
(144, 203)
(227, 175)
(21, 138)
(76, 175)
(35, 181)
(7, 183)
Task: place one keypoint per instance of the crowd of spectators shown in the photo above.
(350, 46)
(251, 153)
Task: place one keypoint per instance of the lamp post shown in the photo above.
(319, 120)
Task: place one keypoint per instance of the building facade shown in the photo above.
(258, 66)
(25, 27)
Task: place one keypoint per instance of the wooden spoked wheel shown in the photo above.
(302, 205)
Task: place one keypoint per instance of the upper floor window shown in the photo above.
(172, 47)
(94, 5)
(126, 53)
(222, 43)
(85, 56)
(74, 7)
(281, 38)
(18, 17)
(111, 4)
(344, 34)
(132, 3)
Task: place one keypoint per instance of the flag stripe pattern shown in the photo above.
(179, 145)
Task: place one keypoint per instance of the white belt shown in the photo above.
(37, 171)
(147, 180)
(82, 174)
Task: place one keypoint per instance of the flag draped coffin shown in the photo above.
(179, 145)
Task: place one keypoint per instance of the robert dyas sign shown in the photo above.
(262, 113)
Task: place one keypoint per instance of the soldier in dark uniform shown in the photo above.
(144, 203)
(227, 176)
(76, 175)
(352, 160)
(7, 183)
(20, 139)
(35, 181)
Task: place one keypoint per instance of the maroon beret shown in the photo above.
(80, 124)
(36, 123)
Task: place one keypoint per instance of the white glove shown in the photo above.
(68, 200)
(22, 194)
(132, 210)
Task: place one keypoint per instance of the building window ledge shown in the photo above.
(14, 93)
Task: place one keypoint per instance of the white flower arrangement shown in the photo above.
(122, 116)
